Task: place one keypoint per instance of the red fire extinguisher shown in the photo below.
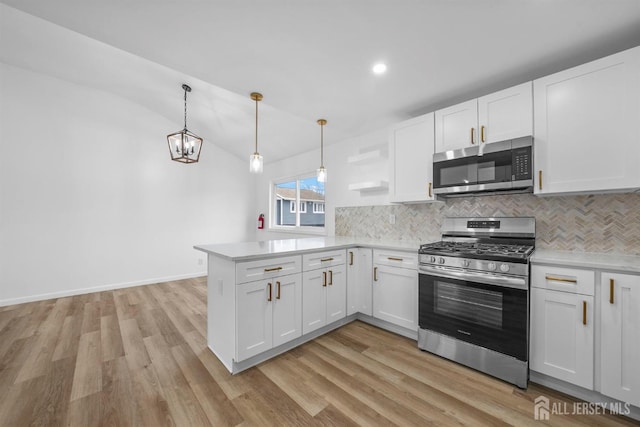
(260, 221)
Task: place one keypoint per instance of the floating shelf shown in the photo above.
(368, 157)
(369, 186)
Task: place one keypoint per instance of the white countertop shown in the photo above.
(629, 263)
(253, 250)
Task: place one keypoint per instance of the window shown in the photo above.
(289, 203)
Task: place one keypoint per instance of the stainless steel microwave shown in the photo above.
(504, 166)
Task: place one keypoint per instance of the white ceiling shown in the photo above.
(312, 59)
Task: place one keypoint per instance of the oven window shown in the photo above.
(480, 306)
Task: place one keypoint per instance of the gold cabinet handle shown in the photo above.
(330, 277)
(540, 180)
(350, 258)
(324, 279)
(473, 136)
(375, 274)
(560, 279)
(430, 192)
(270, 289)
(326, 259)
(278, 290)
(482, 133)
(584, 312)
(266, 270)
(391, 258)
(611, 287)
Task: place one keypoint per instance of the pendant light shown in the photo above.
(185, 146)
(322, 172)
(255, 161)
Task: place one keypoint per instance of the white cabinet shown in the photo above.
(359, 281)
(620, 337)
(395, 289)
(324, 295)
(268, 314)
(503, 115)
(587, 137)
(562, 324)
(411, 145)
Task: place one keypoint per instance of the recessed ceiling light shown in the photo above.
(379, 68)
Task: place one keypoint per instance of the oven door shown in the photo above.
(494, 316)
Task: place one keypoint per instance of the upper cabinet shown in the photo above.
(411, 160)
(587, 127)
(499, 116)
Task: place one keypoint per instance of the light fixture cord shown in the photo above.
(321, 146)
(185, 109)
(256, 150)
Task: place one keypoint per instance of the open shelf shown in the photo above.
(368, 157)
(369, 186)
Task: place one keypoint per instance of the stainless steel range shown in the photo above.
(474, 295)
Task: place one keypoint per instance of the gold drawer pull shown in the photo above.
(324, 279)
(611, 287)
(278, 290)
(391, 258)
(375, 274)
(266, 270)
(540, 180)
(326, 259)
(270, 289)
(350, 258)
(473, 135)
(561, 279)
(430, 192)
(584, 312)
(330, 277)
(482, 133)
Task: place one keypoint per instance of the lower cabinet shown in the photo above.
(620, 337)
(359, 276)
(324, 297)
(562, 326)
(268, 314)
(395, 289)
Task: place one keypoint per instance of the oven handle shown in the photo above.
(478, 277)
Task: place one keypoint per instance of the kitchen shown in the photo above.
(78, 220)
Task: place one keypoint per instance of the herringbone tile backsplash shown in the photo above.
(596, 223)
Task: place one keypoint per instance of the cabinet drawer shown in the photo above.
(323, 259)
(396, 259)
(266, 268)
(563, 279)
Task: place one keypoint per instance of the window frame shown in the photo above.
(299, 229)
(316, 208)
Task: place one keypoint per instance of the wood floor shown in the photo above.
(138, 356)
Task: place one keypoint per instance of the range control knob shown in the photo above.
(432, 259)
(466, 262)
(491, 266)
(441, 260)
(504, 268)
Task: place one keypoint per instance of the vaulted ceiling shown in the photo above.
(311, 59)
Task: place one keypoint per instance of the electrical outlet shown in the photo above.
(392, 219)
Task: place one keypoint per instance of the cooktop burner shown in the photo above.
(477, 250)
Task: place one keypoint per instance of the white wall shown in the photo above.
(89, 198)
(340, 175)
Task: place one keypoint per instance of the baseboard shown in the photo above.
(109, 287)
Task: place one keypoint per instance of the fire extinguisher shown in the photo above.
(260, 221)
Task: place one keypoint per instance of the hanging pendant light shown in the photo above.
(255, 161)
(185, 146)
(322, 172)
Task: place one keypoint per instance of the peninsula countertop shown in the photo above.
(245, 251)
(623, 263)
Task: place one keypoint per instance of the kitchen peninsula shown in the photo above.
(267, 297)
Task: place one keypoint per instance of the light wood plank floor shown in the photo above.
(138, 356)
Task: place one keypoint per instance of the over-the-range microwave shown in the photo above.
(504, 166)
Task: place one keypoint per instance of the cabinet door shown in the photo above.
(561, 344)
(395, 296)
(587, 137)
(456, 126)
(336, 293)
(287, 308)
(506, 114)
(254, 320)
(620, 337)
(411, 146)
(359, 292)
(314, 302)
